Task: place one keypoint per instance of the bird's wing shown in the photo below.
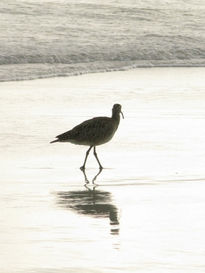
(89, 129)
(95, 129)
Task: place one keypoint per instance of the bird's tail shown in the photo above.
(56, 140)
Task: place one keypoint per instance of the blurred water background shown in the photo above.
(49, 38)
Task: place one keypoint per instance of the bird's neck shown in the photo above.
(116, 117)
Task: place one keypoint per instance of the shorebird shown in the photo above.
(93, 132)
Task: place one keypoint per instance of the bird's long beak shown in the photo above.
(122, 114)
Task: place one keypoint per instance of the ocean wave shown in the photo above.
(61, 38)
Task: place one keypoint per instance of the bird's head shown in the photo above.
(117, 110)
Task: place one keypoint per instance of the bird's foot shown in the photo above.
(83, 168)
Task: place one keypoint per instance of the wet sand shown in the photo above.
(146, 211)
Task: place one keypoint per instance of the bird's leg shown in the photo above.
(95, 154)
(87, 153)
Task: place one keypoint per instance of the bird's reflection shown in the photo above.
(91, 202)
(93, 180)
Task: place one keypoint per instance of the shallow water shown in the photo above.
(145, 210)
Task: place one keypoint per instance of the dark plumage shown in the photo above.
(93, 132)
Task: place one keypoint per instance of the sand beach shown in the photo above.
(146, 211)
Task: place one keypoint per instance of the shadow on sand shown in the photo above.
(91, 202)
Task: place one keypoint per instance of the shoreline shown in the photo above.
(35, 70)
